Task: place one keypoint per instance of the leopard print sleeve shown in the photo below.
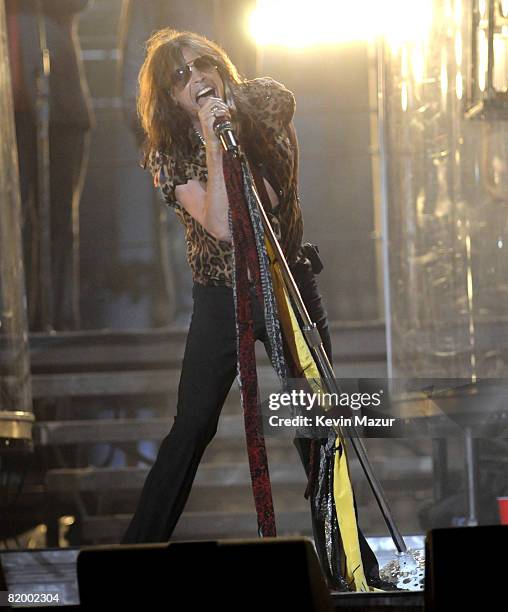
(166, 176)
(270, 102)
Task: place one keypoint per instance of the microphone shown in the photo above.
(224, 132)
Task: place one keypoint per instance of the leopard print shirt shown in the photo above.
(210, 259)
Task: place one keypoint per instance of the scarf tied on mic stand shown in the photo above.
(251, 263)
(255, 263)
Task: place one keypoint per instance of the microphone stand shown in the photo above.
(315, 344)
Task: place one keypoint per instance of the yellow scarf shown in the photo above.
(342, 489)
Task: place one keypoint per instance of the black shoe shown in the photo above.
(384, 585)
(338, 584)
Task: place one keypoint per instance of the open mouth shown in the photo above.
(205, 93)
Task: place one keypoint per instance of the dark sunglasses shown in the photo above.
(181, 76)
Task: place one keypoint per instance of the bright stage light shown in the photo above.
(303, 23)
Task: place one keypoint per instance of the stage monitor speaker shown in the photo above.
(465, 567)
(262, 574)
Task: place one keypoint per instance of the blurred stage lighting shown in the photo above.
(302, 23)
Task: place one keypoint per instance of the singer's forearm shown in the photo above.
(215, 214)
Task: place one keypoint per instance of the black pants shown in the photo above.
(208, 372)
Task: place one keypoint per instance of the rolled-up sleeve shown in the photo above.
(166, 176)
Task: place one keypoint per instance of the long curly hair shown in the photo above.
(165, 124)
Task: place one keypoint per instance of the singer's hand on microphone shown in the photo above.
(209, 111)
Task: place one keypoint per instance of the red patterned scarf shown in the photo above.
(246, 258)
